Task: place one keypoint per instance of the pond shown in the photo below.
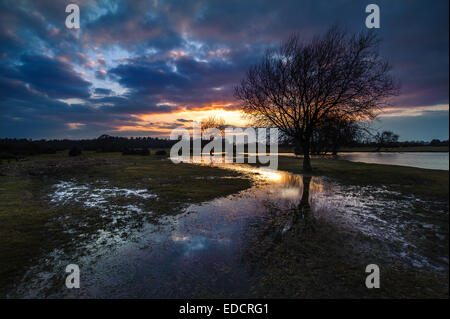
(430, 160)
(206, 250)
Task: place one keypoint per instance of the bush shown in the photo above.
(75, 151)
(142, 152)
(161, 153)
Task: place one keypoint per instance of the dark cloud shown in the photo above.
(185, 81)
(101, 61)
(161, 57)
(149, 77)
(52, 77)
(102, 91)
(184, 121)
(100, 74)
(132, 24)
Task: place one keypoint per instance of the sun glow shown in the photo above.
(166, 122)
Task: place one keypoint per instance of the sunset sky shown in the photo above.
(142, 68)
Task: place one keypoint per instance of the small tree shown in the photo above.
(213, 122)
(335, 132)
(385, 138)
(298, 85)
(435, 142)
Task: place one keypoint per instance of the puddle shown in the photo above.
(111, 210)
(71, 191)
(199, 252)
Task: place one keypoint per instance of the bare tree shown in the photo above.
(335, 132)
(213, 122)
(300, 84)
(385, 138)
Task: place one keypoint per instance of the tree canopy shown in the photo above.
(300, 85)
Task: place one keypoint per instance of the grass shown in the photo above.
(31, 226)
(330, 263)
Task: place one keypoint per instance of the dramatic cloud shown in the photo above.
(144, 67)
(54, 78)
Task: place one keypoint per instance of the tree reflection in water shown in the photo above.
(294, 218)
(303, 218)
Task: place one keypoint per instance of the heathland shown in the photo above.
(38, 216)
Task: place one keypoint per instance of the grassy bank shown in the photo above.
(315, 259)
(30, 225)
(425, 148)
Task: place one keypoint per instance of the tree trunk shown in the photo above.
(335, 150)
(297, 148)
(306, 158)
(307, 163)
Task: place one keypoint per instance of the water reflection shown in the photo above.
(430, 160)
(303, 218)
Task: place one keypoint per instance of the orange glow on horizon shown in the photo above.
(162, 124)
(156, 122)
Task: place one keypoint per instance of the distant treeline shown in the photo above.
(12, 147)
(105, 143)
(375, 143)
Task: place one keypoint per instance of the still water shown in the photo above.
(201, 252)
(431, 160)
